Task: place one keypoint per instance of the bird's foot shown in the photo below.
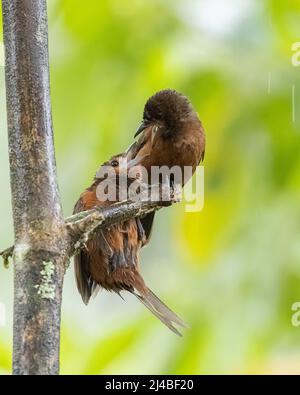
(170, 193)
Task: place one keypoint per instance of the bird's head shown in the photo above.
(118, 165)
(166, 111)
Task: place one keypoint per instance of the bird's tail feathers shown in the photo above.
(160, 310)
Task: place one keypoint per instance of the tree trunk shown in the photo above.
(40, 239)
(44, 242)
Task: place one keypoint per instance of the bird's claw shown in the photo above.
(171, 193)
(177, 193)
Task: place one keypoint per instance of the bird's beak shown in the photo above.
(141, 128)
(153, 134)
(136, 161)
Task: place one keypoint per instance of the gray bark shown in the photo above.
(40, 244)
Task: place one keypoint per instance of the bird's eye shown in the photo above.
(155, 129)
(114, 163)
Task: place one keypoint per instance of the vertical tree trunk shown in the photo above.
(40, 235)
(44, 242)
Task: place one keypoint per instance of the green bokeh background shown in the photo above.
(233, 270)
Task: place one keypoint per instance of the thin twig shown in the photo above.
(6, 254)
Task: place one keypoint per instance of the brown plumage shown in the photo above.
(110, 259)
(171, 134)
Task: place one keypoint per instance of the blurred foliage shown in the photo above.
(233, 270)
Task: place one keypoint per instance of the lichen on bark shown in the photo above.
(46, 288)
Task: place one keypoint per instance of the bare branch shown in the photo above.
(81, 225)
(6, 254)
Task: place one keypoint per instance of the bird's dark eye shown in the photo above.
(114, 163)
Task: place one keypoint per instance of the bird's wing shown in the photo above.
(85, 284)
(147, 224)
(84, 281)
(125, 244)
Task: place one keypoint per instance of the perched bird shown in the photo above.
(110, 259)
(171, 134)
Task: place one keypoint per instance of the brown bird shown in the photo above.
(171, 134)
(110, 259)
